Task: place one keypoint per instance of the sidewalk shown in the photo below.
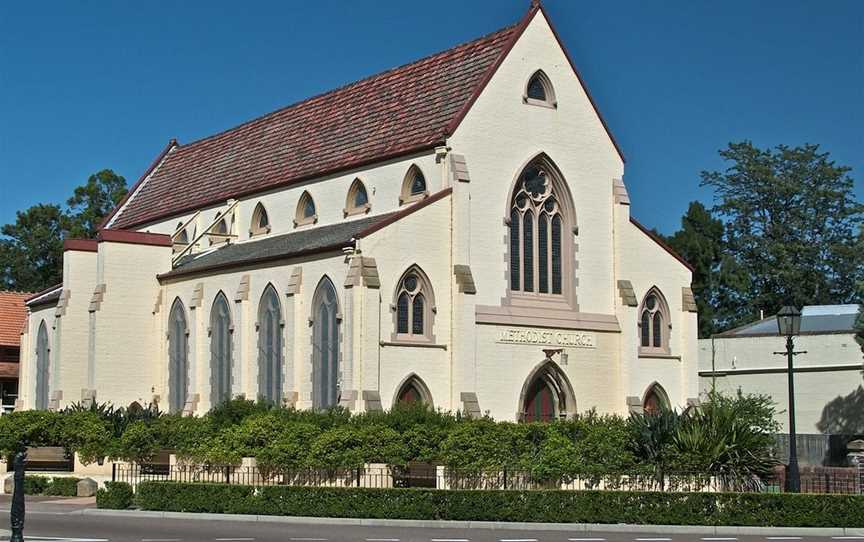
(427, 524)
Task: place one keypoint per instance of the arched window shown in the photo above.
(656, 400)
(306, 213)
(43, 367)
(547, 394)
(325, 346)
(178, 356)
(539, 90)
(414, 307)
(220, 351)
(413, 390)
(654, 324)
(539, 221)
(260, 221)
(180, 239)
(219, 232)
(413, 186)
(357, 201)
(270, 346)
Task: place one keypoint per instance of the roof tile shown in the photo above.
(13, 313)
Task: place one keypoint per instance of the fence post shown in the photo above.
(113, 472)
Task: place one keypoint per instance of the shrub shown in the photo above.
(289, 449)
(63, 487)
(36, 485)
(139, 443)
(30, 428)
(669, 508)
(115, 496)
(350, 447)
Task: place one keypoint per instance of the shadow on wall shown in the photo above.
(844, 415)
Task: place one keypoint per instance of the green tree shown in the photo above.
(793, 228)
(32, 250)
(700, 241)
(91, 202)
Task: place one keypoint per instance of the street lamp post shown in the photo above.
(789, 325)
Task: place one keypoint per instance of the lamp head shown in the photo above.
(789, 321)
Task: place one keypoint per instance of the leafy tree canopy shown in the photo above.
(31, 249)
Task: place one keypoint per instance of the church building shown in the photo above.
(454, 231)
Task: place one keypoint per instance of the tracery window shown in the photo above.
(537, 228)
(413, 186)
(357, 201)
(539, 90)
(654, 324)
(260, 221)
(306, 213)
(414, 307)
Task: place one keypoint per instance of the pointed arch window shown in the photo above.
(220, 232)
(539, 218)
(220, 351)
(547, 395)
(270, 357)
(178, 358)
(539, 90)
(180, 239)
(260, 221)
(325, 346)
(306, 212)
(43, 367)
(357, 201)
(413, 186)
(414, 307)
(654, 324)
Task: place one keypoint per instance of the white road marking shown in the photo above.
(64, 539)
(518, 540)
(382, 540)
(653, 539)
(233, 539)
(718, 539)
(161, 539)
(847, 537)
(586, 539)
(782, 538)
(308, 539)
(450, 540)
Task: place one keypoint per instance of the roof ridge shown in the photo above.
(345, 86)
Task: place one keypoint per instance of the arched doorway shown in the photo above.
(547, 394)
(655, 400)
(413, 390)
(325, 346)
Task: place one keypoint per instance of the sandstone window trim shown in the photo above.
(357, 200)
(413, 308)
(539, 91)
(655, 399)
(654, 324)
(178, 357)
(307, 210)
(414, 383)
(221, 231)
(221, 333)
(271, 343)
(414, 186)
(260, 221)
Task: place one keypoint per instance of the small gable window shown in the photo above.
(539, 90)
(305, 211)
(260, 221)
(414, 186)
(654, 324)
(357, 201)
(180, 239)
(219, 233)
(414, 307)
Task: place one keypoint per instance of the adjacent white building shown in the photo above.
(454, 231)
(829, 375)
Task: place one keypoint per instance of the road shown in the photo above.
(53, 520)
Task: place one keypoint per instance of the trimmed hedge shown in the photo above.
(115, 496)
(752, 509)
(58, 486)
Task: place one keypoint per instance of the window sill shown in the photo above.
(658, 355)
(413, 344)
(539, 103)
(405, 200)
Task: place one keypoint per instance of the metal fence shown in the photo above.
(837, 481)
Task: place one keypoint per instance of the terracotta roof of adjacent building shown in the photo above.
(13, 313)
(397, 112)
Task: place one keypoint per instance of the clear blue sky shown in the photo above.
(87, 85)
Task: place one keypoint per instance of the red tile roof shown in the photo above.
(13, 313)
(394, 113)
